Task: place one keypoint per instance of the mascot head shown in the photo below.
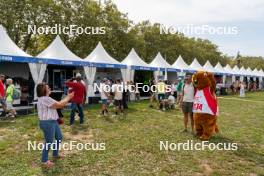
(203, 79)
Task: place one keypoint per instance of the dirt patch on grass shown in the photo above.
(5, 131)
(81, 136)
(207, 170)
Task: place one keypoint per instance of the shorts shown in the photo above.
(161, 97)
(118, 103)
(104, 101)
(3, 102)
(187, 107)
(9, 105)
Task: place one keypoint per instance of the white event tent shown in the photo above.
(237, 72)
(222, 71)
(244, 72)
(133, 62)
(250, 73)
(256, 72)
(181, 65)
(8, 49)
(261, 72)
(209, 68)
(10, 52)
(98, 58)
(162, 65)
(258, 76)
(228, 69)
(56, 53)
(230, 74)
(195, 65)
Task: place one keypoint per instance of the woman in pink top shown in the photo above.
(48, 117)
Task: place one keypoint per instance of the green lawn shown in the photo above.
(132, 143)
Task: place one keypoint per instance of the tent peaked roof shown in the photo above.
(135, 61)
(58, 50)
(250, 72)
(99, 55)
(181, 64)
(8, 47)
(219, 68)
(195, 65)
(243, 71)
(256, 72)
(236, 70)
(261, 72)
(228, 69)
(208, 67)
(160, 62)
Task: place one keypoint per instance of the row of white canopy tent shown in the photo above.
(57, 53)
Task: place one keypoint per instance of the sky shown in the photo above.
(245, 17)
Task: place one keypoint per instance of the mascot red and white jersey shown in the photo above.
(205, 102)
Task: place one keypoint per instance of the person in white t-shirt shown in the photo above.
(242, 89)
(105, 93)
(186, 102)
(172, 101)
(118, 96)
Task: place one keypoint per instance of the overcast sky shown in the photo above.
(247, 16)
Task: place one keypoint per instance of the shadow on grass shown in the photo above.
(242, 151)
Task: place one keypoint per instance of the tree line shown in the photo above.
(121, 34)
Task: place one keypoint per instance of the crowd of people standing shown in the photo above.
(180, 95)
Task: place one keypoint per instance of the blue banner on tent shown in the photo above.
(143, 68)
(22, 59)
(189, 71)
(172, 70)
(102, 65)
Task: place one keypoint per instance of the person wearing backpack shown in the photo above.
(9, 98)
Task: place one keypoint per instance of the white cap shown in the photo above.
(78, 75)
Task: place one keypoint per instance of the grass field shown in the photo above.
(132, 143)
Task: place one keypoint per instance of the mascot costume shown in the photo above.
(205, 107)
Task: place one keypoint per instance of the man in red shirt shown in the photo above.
(2, 94)
(79, 89)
